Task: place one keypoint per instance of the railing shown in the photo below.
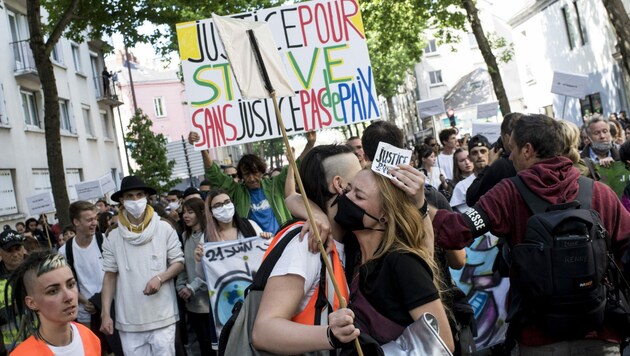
(105, 88)
(23, 57)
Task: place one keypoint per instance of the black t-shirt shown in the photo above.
(397, 283)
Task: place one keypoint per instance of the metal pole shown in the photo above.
(133, 91)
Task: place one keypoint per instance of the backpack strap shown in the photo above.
(99, 240)
(266, 267)
(70, 255)
(538, 205)
(534, 202)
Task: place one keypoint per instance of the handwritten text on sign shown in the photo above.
(323, 48)
(388, 156)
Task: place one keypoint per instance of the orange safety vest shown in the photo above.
(33, 346)
(308, 316)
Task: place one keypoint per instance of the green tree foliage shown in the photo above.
(393, 31)
(271, 151)
(149, 152)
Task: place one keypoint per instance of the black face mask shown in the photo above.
(350, 216)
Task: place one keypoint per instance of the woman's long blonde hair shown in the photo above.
(404, 230)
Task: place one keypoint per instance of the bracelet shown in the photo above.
(424, 211)
(332, 339)
(159, 278)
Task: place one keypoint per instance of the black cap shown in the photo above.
(191, 191)
(9, 238)
(478, 141)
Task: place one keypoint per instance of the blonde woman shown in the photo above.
(571, 140)
(396, 280)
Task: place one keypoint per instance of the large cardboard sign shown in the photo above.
(322, 45)
(568, 84)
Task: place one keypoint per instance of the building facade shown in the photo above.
(571, 36)
(86, 100)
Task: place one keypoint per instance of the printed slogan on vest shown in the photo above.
(322, 45)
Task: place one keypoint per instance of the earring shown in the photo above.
(382, 220)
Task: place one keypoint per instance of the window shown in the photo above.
(566, 16)
(472, 40)
(41, 181)
(76, 57)
(107, 126)
(87, 121)
(431, 47)
(56, 54)
(31, 110)
(4, 120)
(591, 104)
(158, 105)
(581, 28)
(19, 33)
(435, 77)
(8, 204)
(64, 116)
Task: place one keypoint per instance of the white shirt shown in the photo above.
(297, 259)
(75, 348)
(458, 199)
(88, 264)
(445, 162)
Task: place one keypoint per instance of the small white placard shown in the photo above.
(487, 110)
(41, 203)
(388, 156)
(573, 85)
(430, 107)
(89, 190)
(107, 184)
(491, 131)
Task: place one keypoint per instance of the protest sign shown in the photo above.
(107, 184)
(388, 156)
(573, 85)
(491, 131)
(322, 45)
(229, 268)
(616, 176)
(487, 110)
(41, 203)
(430, 107)
(89, 190)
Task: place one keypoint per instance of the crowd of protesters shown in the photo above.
(126, 276)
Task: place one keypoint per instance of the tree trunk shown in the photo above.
(488, 57)
(41, 54)
(391, 112)
(621, 23)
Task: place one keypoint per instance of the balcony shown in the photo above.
(24, 63)
(105, 88)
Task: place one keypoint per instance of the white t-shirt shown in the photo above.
(434, 177)
(445, 162)
(458, 199)
(75, 348)
(297, 259)
(88, 264)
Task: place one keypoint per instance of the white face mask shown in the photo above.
(136, 207)
(174, 205)
(225, 213)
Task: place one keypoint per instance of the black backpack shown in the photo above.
(557, 273)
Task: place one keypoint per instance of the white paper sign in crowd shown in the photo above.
(491, 131)
(229, 267)
(41, 203)
(389, 157)
(324, 50)
(487, 110)
(430, 107)
(568, 84)
(94, 189)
